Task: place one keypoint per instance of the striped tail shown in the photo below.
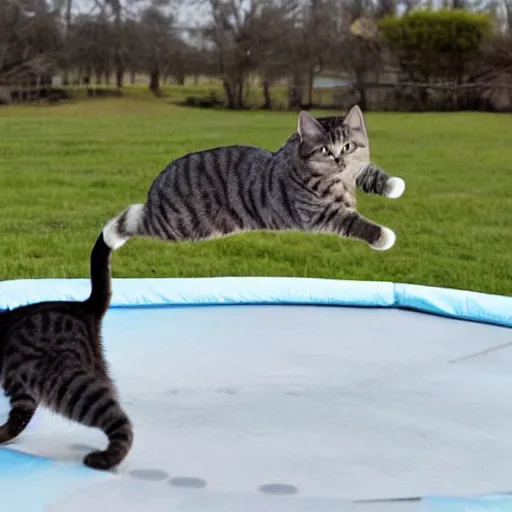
(125, 226)
(101, 290)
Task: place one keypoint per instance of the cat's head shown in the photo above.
(334, 144)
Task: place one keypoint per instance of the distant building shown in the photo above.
(28, 81)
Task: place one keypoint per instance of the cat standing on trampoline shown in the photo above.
(307, 185)
(51, 354)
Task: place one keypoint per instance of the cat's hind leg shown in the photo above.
(23, 406)
(90, 399)
(373, 180)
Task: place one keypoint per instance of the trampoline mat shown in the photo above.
(282, 408)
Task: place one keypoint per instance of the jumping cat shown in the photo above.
(51, 354)
(308, 184)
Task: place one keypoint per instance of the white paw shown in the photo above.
(395, 187)
(386, 241)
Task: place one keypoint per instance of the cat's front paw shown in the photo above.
(386, 240)
(395, 187)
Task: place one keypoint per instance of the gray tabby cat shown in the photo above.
(308, 185)
(51, 354)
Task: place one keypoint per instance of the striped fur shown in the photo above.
(51, 354)
(309, 184)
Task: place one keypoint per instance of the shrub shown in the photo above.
(436, 33)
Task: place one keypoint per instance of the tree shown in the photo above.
(117, 36)
(29, 38)
(361, 55)
(433, 46)
(133, 50)
(230, 32)
(89, 47)
(157, 41)
(507, 8)
(437, 47)
(272, 33)
(354, 44)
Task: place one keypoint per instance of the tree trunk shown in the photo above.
(119, 77)
(65, 76)
(294, 92)
(266, 95)
(508, 11)
(363, 99)
(312, 44)
(422, 98)
(229, 93)
(87, 82)
(132, 76)
(154, 81)
(360, 86)
(311, 78)
(118, 51)
(240, 94)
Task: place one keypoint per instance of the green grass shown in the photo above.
(64, 170)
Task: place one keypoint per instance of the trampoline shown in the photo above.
(283, 395)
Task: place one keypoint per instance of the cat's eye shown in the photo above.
(324, 150)
(348, 147)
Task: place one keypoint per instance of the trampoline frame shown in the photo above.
(180, 292)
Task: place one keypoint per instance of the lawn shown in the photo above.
(66, 169)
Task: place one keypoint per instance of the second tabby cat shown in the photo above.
(51, 354)
(307, 185)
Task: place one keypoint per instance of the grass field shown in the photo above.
(66, 169)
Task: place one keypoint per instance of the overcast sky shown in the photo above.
(188, 14)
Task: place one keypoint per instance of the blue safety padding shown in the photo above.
(146, 292)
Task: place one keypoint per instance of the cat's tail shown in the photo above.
(114, 234)
(101, 289)
(124, 226)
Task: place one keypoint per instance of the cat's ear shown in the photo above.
(355, 122)
(310, 129)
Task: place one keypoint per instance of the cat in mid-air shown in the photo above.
(308, 184)
(51, 354)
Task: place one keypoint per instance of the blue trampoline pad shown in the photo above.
(285, 408)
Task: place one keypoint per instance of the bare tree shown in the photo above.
(117, 36)
(133, 51)
(89, 47)
(230, 32)
(29, 36)
(355, 47)
(274, 31)
(63, 8)
(507, 8)
(157, 40)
